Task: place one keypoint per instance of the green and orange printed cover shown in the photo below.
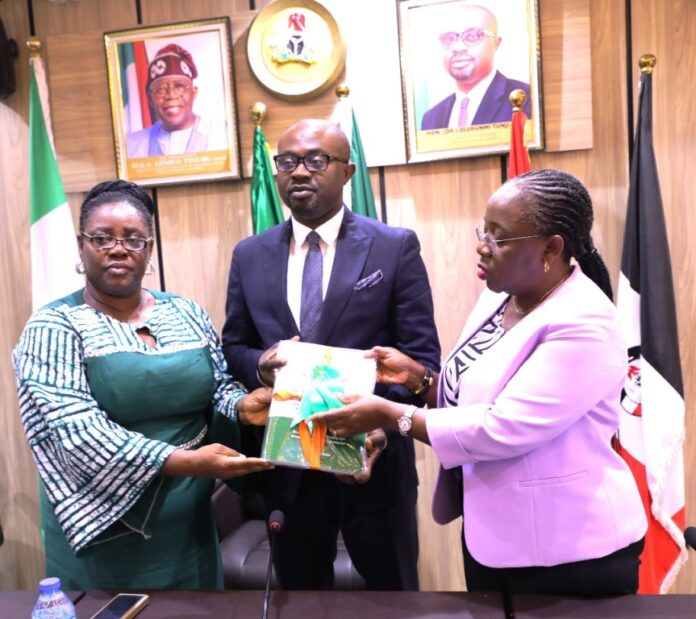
(311, 382)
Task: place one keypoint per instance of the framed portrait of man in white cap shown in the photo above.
(173, 105)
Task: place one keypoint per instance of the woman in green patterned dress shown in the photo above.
(117, 388)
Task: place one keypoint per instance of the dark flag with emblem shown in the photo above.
(651, 429)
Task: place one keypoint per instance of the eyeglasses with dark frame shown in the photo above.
(313, 162)
(177, 89)
(106, 241)
(492, 243)
(471, 37)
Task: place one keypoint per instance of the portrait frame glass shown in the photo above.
(147, 151)
(430, 90)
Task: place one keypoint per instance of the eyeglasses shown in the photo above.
(492, 244)
(313, 162)
(176, 88)
(471, 37)
(105, 241)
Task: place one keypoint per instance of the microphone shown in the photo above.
(690, 537)
(275, 526)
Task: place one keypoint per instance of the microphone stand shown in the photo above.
(275, 524)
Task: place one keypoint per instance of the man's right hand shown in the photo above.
(269, 363)
(395, 368)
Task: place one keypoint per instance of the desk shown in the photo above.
(309, 605)
(368, 605)
(626, 607)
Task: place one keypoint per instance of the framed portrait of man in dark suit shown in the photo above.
(460, 61)
(173, 104)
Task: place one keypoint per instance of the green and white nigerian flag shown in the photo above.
(265, 202)
(53, 242)
(358, 195)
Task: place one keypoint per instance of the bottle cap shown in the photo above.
(49, 585)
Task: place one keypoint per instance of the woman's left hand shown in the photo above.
(252, 409)
(360, 414)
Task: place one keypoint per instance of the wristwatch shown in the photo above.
(425, 384)
(405, 422)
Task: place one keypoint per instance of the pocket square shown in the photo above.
(371, 280)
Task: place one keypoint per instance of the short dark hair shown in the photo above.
(560, 204)
(118, 191)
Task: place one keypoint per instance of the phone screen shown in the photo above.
(120, 605)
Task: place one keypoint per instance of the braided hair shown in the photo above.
(558, 203)
(110, 192)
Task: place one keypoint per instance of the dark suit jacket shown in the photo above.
(495, 106)
(378, 294)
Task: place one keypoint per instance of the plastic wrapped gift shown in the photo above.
(312, 382)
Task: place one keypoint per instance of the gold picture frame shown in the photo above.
(173, 105)
(449, 53)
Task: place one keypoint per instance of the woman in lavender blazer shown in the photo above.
(527, 404)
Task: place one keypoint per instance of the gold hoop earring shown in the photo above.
(79, 267)
(547, 266)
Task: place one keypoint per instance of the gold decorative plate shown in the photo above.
(295, 48)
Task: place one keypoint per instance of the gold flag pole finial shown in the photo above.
(258, 112)
(517, 98)
(647, 63)
(34, 46)
(342, 90)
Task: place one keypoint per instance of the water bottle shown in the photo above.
(52, 602)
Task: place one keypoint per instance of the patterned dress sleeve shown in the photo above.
(93, 469)
(228, 391)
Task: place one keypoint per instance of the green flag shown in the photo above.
(265, 203)
(358, 196)
(363, 201)
(53, 242)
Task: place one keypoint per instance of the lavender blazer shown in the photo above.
(532, 432)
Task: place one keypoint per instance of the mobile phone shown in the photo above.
(122, 606)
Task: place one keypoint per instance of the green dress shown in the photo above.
(145, 531)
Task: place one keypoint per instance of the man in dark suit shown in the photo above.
(375, 292)
(482, 93)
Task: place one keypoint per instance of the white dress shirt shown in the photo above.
(328, 232)
(475, 96)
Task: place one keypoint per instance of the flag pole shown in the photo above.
(518, 158)
(517, 98)
(258, 112)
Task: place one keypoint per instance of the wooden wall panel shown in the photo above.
(81, 114)
(567, 75)
(666, 29)
(57, 18)
(76, 68)
(200, 225)
(21, 556)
